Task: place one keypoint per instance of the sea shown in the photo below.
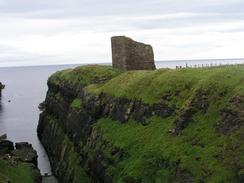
(26, 88)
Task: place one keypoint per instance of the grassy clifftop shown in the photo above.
(202, 141)
(203, 149)
(151, 86)
(84, 75)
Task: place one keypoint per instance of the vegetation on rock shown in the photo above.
(76, 103)
(19, 173)
(84, 75)
(18, 165)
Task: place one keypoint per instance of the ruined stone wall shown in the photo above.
(128, 54)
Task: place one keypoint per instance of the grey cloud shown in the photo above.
(39, 20)
(120, 7)
(197, 20)
(209, 11)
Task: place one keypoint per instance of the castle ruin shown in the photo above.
(128, 54)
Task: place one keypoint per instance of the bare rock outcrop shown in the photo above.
(16, 156)
(128, 54)
(1, 87)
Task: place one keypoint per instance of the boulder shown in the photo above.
(25, 153)
(6, 146)
(23, 145)
(42, 106)
(128, 54)
(3, 137)
(1, 87)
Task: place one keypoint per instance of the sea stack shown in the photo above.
(1, 87)
(128, 54)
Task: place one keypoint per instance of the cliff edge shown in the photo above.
(100, 124)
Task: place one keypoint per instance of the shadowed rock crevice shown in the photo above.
(231, 125)
(197, 103)
(232, 115)
(78, 120)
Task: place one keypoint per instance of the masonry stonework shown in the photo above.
(128, 54)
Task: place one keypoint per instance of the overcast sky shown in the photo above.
(40, 32)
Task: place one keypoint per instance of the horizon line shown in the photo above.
(101, 63)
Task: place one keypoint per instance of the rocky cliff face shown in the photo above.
(101, 125)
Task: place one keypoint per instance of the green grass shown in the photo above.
(148, 146)
(21, 173)
(84, 75)
(179, 85)
(79, 175)
(76, 104)
(151, 153)
(200, 150)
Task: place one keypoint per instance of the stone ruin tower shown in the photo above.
(128, 54)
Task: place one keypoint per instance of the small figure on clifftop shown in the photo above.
(128, 54)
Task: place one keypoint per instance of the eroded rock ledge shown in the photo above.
(14, 158)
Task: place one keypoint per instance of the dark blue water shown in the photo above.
(26, 88)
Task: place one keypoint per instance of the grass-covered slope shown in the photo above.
(151, 86)
(200, 150)
(202, 141)
(84, 75)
